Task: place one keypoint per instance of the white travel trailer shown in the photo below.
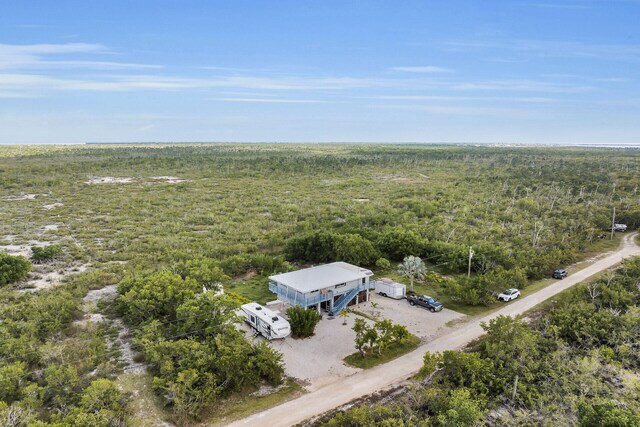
(391, 289)
(266, 322)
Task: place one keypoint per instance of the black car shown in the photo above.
(560, 274)
(425, 301)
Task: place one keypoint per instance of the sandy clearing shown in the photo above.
(24, 250)
(170, 179)
(23, 197)
(107, 294)
(90, 304)
(94, 296)
(110, 180)
(45, 280)
(50, 227)
(360, 200)
(384, 376)
(52, 206)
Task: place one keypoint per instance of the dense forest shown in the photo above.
(157, 229)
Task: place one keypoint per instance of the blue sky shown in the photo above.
(538, 71)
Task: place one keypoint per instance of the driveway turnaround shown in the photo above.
(366, 382)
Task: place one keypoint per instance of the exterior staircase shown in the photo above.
(343, 301)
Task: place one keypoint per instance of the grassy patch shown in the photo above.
(146, 410)
(242, 405)
(255, 289)
(393, 352)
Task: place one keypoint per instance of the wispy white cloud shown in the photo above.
(271, 100)
(523, 86)
(423, 69)
(547, 48)
(531, 99)
(459, 110)
(152, 82)
(47, 56)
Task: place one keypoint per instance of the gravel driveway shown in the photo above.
(420, 321)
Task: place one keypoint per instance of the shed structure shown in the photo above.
(330, 286)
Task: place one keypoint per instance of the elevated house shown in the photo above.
(329, 287)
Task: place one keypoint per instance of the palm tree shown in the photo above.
(344, 314)
(412, 267)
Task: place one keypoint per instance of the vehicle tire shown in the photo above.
(431, 309)
(412, 303)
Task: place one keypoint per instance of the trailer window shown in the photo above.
(341, 285)
(253, 319)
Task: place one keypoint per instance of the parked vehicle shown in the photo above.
(265, 322)
(560, 273)
(428, 302)
(509, 294)
(391, 289)
(619, 227)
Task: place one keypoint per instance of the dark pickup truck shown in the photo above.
(430, 303)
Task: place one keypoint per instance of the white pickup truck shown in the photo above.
(619, 227)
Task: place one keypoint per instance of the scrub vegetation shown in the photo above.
(161, 229)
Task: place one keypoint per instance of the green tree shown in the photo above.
(303, 321)
(461, 410)
(155, 296)
(206, 316)
(13, 268)
(11, 381)
(383, 263)
(514, 349)
(360, 327)
(41, 254)
(205, 271)
(413, 268)
(606, 414)
(355, 249)
(395, 243)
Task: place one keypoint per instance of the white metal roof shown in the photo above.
(322, 276)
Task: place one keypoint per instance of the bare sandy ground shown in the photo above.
(24, 250)
(170, 179)
(110, 180)
(50, 206)
(23, 197)
(42, 276)
(381, 377)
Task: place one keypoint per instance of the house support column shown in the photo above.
(318, 308)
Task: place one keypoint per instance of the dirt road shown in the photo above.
(366, 382)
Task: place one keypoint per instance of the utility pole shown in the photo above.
(470, 256)
(613, 222)
(515, 389)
